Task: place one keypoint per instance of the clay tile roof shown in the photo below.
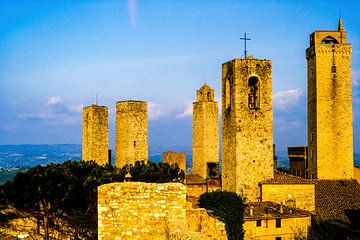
(284, 178)
(194, 179)
(337, 201)
(266, 210)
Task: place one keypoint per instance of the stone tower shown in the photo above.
(95, 138)
(131, 132)
(330, 135)
(247, 126)
(205, 141)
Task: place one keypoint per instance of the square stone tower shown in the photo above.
(131, 132)
(205, 141)
(247, 126)
(330, 134)
(95, 137)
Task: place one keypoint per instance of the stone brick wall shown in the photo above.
(199, 220)
(95, 138)
(247, 132)
(179, 158)
(131, 132)
(135, 210)
(303, 194)
(205, 141)
(330, 134)
(138, 210)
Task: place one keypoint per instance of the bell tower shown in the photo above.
(205, 131)
(330, 134)
(247, 131)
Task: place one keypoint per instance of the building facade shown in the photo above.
(95, 137)
(330, 134)
(298, 157)
(131, 143)
(205, 140)
(247, 131)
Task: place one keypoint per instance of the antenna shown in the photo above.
(96, 98)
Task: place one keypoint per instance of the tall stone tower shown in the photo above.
(131, 132)
(247, 126)
(330, 135)
(95, 137)
(205, 145)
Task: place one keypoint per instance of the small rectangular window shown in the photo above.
(258, 223)
(278, 238)
(333, 69)
(278, 223)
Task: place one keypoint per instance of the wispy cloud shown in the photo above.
(53, 101)
(132, 12)
(55, 112)
(156, 111)
(188, 111)
(284, 100)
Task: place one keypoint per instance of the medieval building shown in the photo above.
(131, 133)
(95, 137)
(247, 131)
(205, 138)
(330, 134)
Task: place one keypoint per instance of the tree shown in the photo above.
(63, 197)
(229, 207)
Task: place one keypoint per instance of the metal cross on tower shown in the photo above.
(245, 39)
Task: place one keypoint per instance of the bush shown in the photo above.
(229, 208)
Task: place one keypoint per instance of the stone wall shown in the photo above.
(179, 158)
(134, 210)
(205, 139)
(131, 132)
(199, 220)
(95, 137)
(330, 133)
(302, 194)
(247, 126)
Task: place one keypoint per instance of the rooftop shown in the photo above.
(266, 210)
(337, 201)
(284, 178)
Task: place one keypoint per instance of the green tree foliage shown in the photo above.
(63, 197)
(229, 208)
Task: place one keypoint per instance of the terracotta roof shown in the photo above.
(266, 210)
(284, 178)
(337, 200)
(194, 179)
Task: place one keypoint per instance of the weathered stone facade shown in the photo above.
(131, 133)
(330, 134)
(95, 137)
(247, 131)
(302, 195)
(290, 227)
(135, 210)
(179, 158)
(205, 140)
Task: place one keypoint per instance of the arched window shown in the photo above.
(254, 93)
(227, 93)
(329, 40)
(208, 96)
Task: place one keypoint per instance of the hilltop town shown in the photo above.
(321, 190)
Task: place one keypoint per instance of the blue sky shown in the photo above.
(56, 56)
